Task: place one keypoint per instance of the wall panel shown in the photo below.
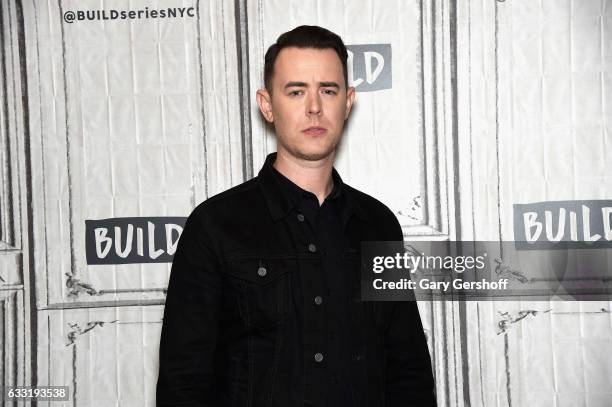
(536, 118)
(12, 332)
(108, 356)
(133, 118)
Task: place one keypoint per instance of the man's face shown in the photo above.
(308, 102)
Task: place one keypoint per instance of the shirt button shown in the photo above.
(318, 357)
(312, 248)
(300, 217)
(318, 300)
(262, 271)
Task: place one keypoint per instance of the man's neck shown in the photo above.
(312, 176)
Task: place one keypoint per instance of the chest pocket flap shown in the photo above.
(264, 287)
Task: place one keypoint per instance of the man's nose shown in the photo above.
(314, 105)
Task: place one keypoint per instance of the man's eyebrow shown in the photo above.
(305, 85)
(296, 84)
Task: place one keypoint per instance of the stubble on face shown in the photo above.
(328, 152)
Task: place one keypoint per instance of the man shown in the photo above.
(263, 305)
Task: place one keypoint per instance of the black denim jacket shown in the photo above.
(231, 335)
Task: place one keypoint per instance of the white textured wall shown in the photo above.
(537, 83)
(150, 117)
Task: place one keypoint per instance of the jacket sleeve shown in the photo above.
(408, 373)
(190, 326)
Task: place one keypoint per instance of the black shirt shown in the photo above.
(323, 226)
(263, 305)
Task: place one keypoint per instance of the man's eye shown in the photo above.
(329, 92)
(295, 93)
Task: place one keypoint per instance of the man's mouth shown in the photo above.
(315, 131)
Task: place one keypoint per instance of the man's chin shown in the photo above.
(312, 156)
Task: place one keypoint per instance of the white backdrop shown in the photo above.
(491, 103)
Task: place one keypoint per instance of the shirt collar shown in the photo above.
(282, 195)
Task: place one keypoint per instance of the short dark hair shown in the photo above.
(305, 36)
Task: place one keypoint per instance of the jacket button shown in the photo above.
(262, 271)
(312, 248)
(318, 300)
(318, 357)
(300, 217)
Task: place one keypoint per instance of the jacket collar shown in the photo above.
(280, 203)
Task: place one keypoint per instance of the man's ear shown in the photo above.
(350, 98)
(265, 104)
